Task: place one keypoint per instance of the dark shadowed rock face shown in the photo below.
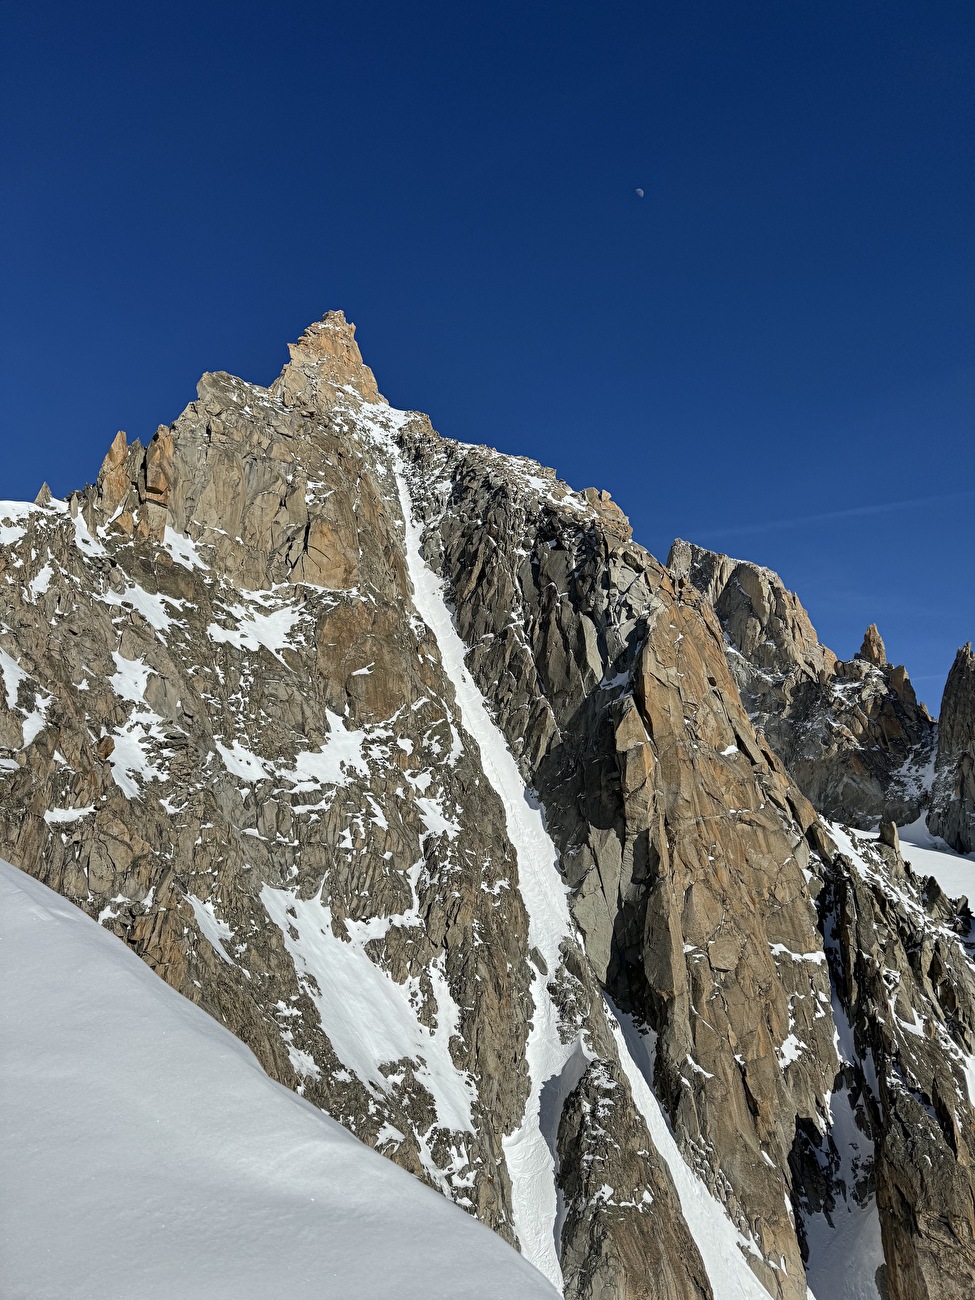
(242, 725)
(952, 814)
(852, 734)
(905, 988)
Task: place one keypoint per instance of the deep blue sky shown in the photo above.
(782, 329)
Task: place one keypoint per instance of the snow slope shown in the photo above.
(145, 1153)
(929, 855)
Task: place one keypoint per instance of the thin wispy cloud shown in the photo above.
(827, 516)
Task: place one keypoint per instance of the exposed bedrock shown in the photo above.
(952, 813)
(851, 733)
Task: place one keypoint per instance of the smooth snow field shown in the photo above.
(145, 1154)
(929, 855)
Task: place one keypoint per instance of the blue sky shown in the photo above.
(772, 353)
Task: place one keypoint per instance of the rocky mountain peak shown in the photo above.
(873, 649)
(764, 620)
(609, 512)
(852, 733)
(325, 361)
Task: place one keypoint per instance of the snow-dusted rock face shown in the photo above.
(406, 763)
(952, 814)
(851, 733)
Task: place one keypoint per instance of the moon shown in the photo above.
(639, 194)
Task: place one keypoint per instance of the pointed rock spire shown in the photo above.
(325, 360)
(873, 648)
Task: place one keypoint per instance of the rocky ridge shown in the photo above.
(851, 733)
(244, 727)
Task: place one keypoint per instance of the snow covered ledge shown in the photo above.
(145, 1153)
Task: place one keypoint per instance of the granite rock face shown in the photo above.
(409, 765)
(851, 733)
(952, 814)
(904, 983)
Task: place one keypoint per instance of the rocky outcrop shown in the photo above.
(240, 726)
(952, 814)
(905, 985)
(852, 734)
(614, 1245)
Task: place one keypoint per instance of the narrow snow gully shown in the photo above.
(554, 1067)
(722, 1246)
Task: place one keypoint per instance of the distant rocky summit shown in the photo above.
(852, 734)
(504, 843)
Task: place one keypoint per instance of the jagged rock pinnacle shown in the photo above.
(324, 361)
(852, 734)
(873, 648)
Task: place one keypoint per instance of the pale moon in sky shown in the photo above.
(639, 194)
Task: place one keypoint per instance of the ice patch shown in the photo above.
(13, 675)
(58, 816)
(256, 628)
(791, 1049)
(36, 720)
(330, 765)
(15, 514)
(88, 545)
(130, 757)
(969, 1067)
(780, 950)
(151, 607)
(435, 820)
(302, 1064)
(10, 534)
(41, 583)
